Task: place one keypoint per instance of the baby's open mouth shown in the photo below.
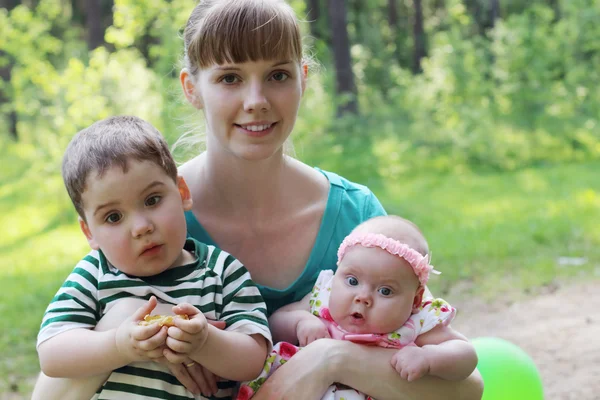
(357, 315)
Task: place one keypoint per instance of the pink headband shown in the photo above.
(420, 264)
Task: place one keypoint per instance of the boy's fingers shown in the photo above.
(186, 308)
(145, 309)
(145, 332)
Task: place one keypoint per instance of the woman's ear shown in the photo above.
(304, 76)
(184, 191)
(88, 234)
(189, 88)
(418, 299)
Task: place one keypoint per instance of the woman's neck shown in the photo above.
(249, 188)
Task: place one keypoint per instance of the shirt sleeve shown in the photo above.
(373, 207)
(76, 303)
(243, 308)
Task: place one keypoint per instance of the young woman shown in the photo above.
(284, 220)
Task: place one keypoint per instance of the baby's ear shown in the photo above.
(88, 234)
(418, 299)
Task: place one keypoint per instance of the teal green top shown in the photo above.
(348, 205)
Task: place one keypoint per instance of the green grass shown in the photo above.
(500, 233)
(505, 232)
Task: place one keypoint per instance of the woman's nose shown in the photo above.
(256, 100)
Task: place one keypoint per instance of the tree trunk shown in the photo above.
(5, 75)
(556, 7)
(494, 11)
(314, 12)
(393, 15)
(345, 86)
(419, 37)
(94, 25)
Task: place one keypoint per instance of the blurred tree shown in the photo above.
(95, 30)
(345, 85)
(494, 11)
(419, 37)
(314, 14)
(6, 66)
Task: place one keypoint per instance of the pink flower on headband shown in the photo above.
(419, 263)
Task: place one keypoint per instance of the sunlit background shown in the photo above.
(476, 119)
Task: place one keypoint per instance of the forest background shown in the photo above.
(476, 119)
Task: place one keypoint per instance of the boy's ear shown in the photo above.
(184, 191)
(418, 299)
(88, 234)
(189, 89)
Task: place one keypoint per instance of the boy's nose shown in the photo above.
(141, 226)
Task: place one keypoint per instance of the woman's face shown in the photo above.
(250, 108)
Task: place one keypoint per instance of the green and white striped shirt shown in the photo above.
(216, 283)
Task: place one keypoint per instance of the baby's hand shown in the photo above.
(310, 329)
(141, 343)
(187, 336)
(411, 363)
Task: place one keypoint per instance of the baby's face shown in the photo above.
(373, 291)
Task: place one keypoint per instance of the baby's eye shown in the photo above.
(352, 281)
(229, 79)
(385, 291)
(113, 218)
(153, 200)
(279, 76)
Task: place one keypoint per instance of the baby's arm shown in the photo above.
(441, 352)
(294, 324)
(82, 352)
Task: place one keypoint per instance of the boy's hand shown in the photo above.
(141, 343)
(411, 363)
(187, 336)
(310, 329)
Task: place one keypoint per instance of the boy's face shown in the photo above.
(373, 291)
(137, 217)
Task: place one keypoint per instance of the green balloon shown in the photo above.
(508, 372)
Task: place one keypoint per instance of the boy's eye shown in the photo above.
(280, 76)
(385, 291)
(352, 281)
(153, 200)
(113, 218)
(229, 79)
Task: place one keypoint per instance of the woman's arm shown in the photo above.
(365, 368)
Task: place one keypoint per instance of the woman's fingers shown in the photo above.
(181, 373)
(203, 378)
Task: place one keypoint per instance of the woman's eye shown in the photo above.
(152, 200)
(352, 281)
(385, 291)
(113, 218)
(229, 79)
(280, 76)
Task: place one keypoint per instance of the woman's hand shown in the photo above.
(194, 376)
(306, 376)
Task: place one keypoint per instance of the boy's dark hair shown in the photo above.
(109, 142)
